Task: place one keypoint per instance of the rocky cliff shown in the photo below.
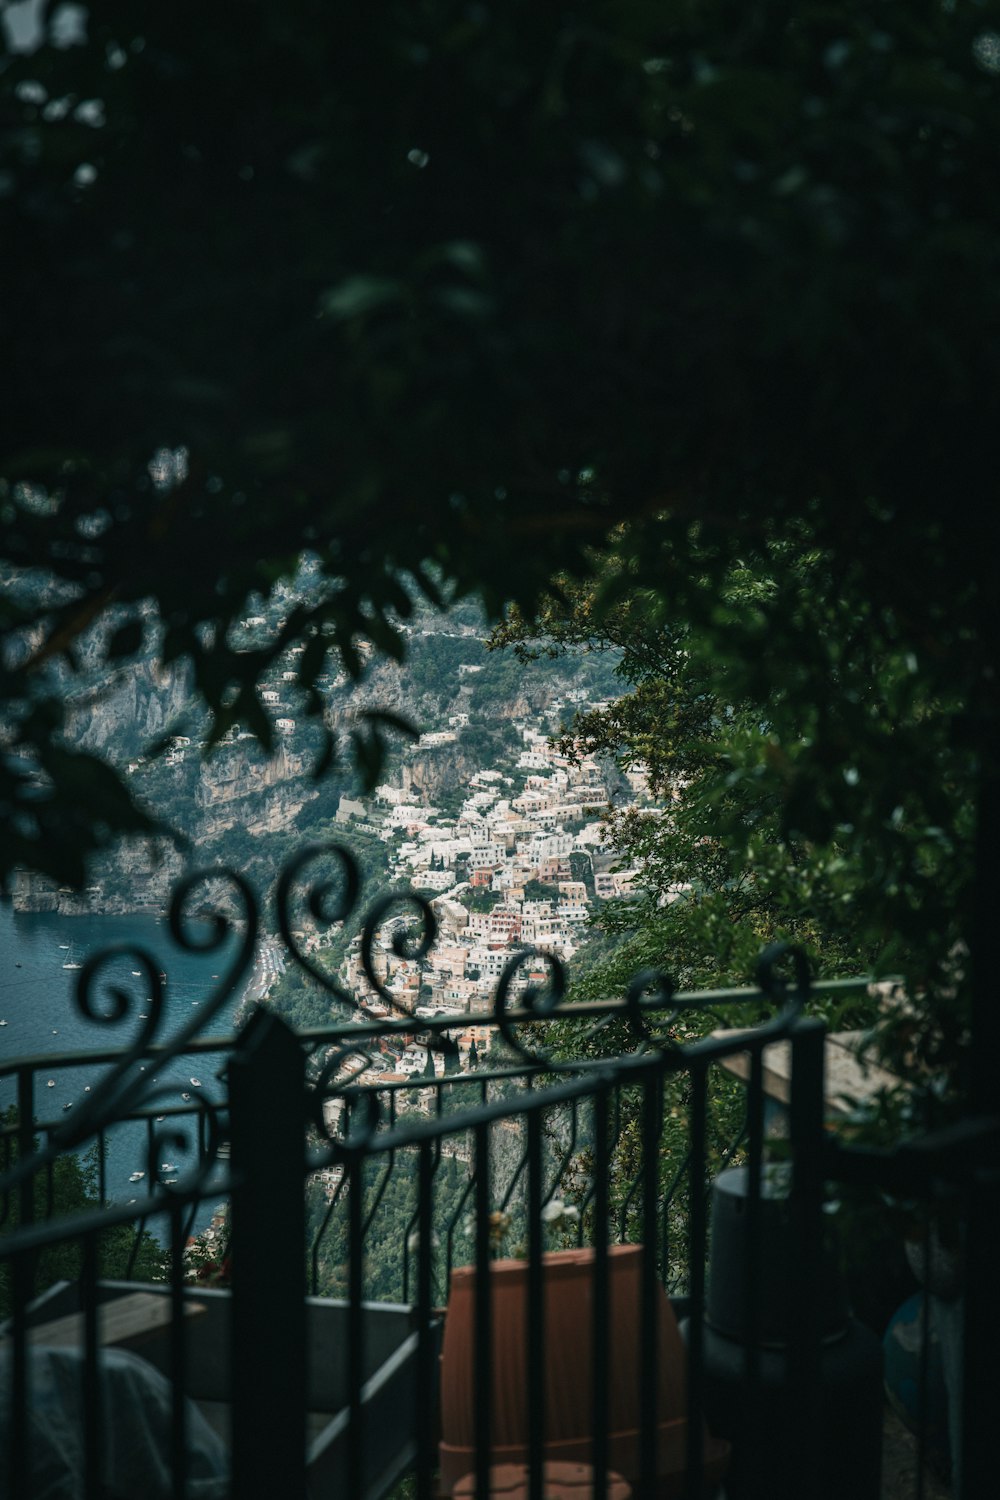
(132, 709)
(427, 774)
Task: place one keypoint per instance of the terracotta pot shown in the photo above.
(567, 1355)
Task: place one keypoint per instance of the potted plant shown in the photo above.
(565, 1347)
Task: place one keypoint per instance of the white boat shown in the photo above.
(196, 1083)
(71, 962)
(136, 974)
(185, 1096)
(167, 1166)
(3, 1023)
(64, 945)
(51, 1083)
(137, 1176)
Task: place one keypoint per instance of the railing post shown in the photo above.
(267, 1115)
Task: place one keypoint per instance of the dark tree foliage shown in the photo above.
(73, 1190)
(442, 293)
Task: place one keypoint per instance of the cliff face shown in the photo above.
(253, 813)
(131, 710)
(240, 773)
(426, 774)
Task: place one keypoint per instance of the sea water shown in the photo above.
(38, 1004)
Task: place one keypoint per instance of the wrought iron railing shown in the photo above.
(572, 1116)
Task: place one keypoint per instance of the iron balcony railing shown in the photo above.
(571, 1140)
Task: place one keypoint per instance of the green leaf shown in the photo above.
(385, 716)
(359, 295)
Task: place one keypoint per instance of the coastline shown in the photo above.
(268, 967)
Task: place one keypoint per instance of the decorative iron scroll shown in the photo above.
(126, 1089)
(317, 897)
(229, 904)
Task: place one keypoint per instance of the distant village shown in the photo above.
(515, 831)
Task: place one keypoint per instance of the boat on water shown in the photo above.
(51, 1084)
(67, 1106)
(168, 1166)
(185, 1096)
(71, 962)
(136, 974)
(3, 1023)
(137, 1176)
(196, 1083)
(64, 946)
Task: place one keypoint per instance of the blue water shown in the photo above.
(37, 1002)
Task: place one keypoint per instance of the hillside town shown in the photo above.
(512, 879)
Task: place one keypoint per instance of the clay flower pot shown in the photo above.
(567, 1355)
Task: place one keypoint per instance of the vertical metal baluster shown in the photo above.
(981, 1315)
(806, 1127)
(649, 1323)
(150, 1129)
(314, 1265)
(670, 1079)
(600, 1327)
(93, 1396)
(924, 1357)
(535, 1310)
(697, 1238)
(25, 1146)
(752, 1243)
(24, 1286)
(355, 1321)
(972, 1442)
(425, 1372)
(102, 1168)
(178, 1371)
(425, 1365)
(17, 1429)
(483, 1361)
